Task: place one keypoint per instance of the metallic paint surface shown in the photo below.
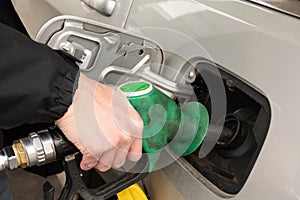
(34, 13)
(260, 46)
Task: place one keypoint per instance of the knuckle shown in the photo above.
(124, 139)
(115, 142)
(121, 140)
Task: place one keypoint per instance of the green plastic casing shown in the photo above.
(164, 122)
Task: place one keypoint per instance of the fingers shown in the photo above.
(102, 167)
(88, 162)
(120, 158)
(117, 157)
(106, 160)
(114, 158)
(135, 151)
(103, 125)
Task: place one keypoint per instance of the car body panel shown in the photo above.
(261, 46)
(35, 13)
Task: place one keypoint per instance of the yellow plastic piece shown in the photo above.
(133, 192)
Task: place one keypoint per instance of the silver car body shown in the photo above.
(259, 45)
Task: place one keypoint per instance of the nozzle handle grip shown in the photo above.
(63, 146)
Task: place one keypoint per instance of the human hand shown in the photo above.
(103, 125)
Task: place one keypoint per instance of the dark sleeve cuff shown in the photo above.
(37, 83)
(63, 88)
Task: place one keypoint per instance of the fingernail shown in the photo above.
(91, 165)
(84, 167)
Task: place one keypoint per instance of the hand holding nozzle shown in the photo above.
(103, 125)
(92, 126)
(184, 129)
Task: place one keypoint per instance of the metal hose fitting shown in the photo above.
(35, 149)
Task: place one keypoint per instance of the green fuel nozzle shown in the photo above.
(183, 129)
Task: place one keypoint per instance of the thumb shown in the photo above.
(135, 117)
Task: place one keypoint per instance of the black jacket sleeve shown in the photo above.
(36, 82)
